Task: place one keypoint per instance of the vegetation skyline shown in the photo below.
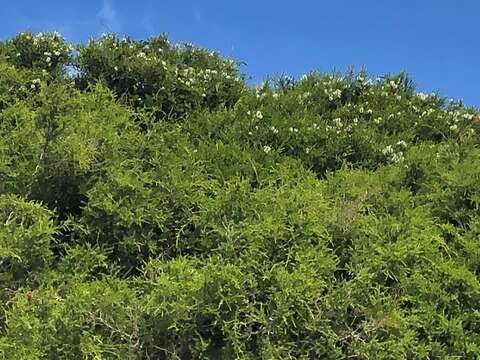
(433, 41)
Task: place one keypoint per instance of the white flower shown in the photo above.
(260, 94)
(48, 59)
(393, 84)
(397, 157)
(423, 96)
(387, 150)
(454, 127)
(32, 86)
(259, 114)
(402, 143)
(337, 93)
(304, 95)
(338, 122)
(116, 68)
(57, 53)
(267, 149)
(274, 129)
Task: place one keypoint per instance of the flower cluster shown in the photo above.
(333, 94)
(35, 83)
(422, 96)
(257, 115)
(44, 50)
(395, 153)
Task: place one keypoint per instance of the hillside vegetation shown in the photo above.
(154, 206)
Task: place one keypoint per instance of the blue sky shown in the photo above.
(436, 42)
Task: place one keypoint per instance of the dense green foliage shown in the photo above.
(153, 206)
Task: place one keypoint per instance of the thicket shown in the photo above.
(154, 206)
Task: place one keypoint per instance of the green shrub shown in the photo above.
(26, 239)
(47, 52)
(153, 206)
(170, 80)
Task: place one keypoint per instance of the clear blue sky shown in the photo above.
(436, 41)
